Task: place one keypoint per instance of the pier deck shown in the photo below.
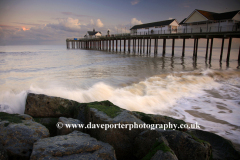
(107, 42)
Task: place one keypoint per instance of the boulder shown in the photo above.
(164, 156)
(187, 147)
(149, 143)
(76, 145)
(39, 105)
(3, 153)
(18, 135)
(49, 123)
(101, 114)
(74, 124)
(222, 149)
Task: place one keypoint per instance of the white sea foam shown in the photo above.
(210, 98)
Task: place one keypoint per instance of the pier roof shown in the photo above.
(92, 33)
(212, 15)
(153, 24)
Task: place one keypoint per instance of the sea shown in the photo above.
(194, 91)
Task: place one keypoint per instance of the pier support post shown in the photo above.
(116, 44)
(196, 49)
(150, 46)
(206, 56)
(155, 46)
(120, 44)
(138, 45)
(211, 46)
(67, 44)
(135, 45)
(221, 54)
(164, 46)
(147, 46)
(143, 46)
(107, 45)
(229, 50)
(173, 44)
(183, 49)
(113, 45)
(124, 47)
(110, 45)
(129, 45)
(239, 57)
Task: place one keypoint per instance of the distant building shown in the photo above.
(205, 21)
(93, 34)
(161, 27)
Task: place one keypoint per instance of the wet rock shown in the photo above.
(49, 123)
(122, 139)
(3, 153)
(187, 147)
(222, 149)
(75, 124)
(25, 117)
(39, 105)
(76, 145)
(164, 156)
(18, 135)
(147, 141)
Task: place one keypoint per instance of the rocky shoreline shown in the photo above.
(34, 135)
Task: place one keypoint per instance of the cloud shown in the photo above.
(92, 22)
(186, 6)
(99, 23)
(76, 15)
(134, 21)
(134, 2)
(69, 24)
(170, 18)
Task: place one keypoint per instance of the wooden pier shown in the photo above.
(137, 43)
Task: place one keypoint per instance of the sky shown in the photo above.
(52, 21)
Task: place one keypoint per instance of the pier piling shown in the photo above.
(229, 50)
(206, 56)
(164, 46)
(221, 50)
(173, 43)
(211, 46)
(183, 49)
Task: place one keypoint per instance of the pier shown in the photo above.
(142, 43)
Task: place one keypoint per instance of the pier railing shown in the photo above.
(180, 30)
(229, 28)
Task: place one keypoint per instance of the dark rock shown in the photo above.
(164, 156)
(187, 147)
(222, 149)
(148, 144)
(74, 146)
(25, 117)
(74, 125)
(144, 142)
(18, 135)
(122, 139)
(39, 105)
(49, 123)
(3, 153)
